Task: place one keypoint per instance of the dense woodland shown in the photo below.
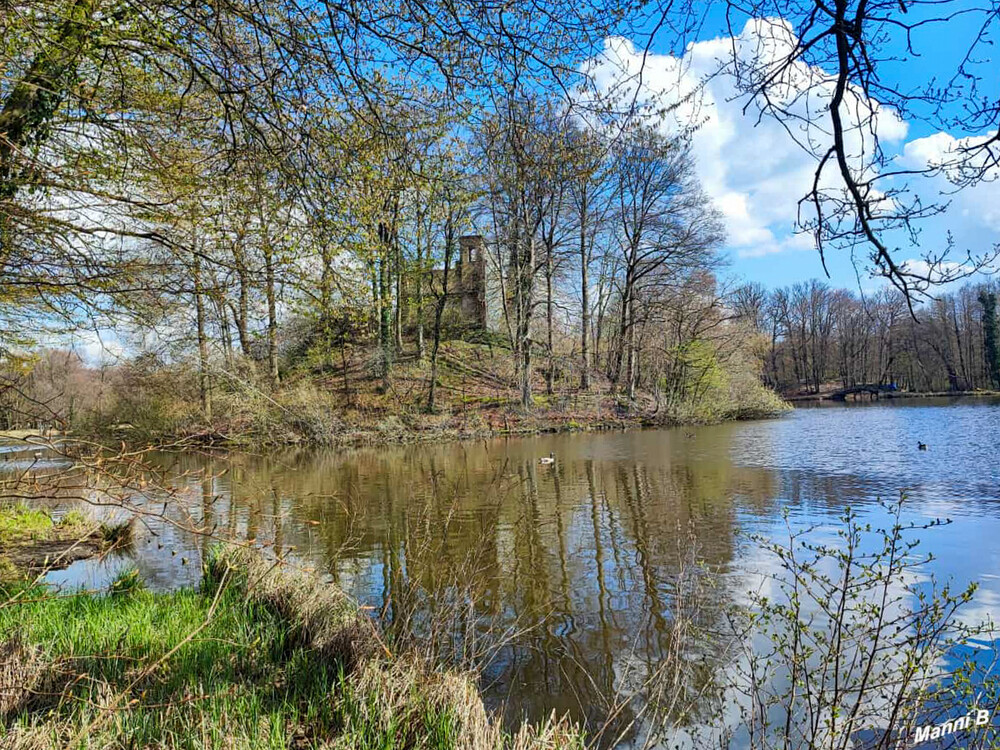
(819, 336)
(260, 204)
(602, 251)
(233, 224)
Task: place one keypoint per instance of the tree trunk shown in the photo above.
(33, 100)
(958, 343)
(373, 324)
(585, 298)
(272, 317)
(526, 284)
(224, 329)
(550, 370)
(435, 345)
(419, 294)
(398, 270)
(204, 382)
(384, 320)
(623, 351)
(326, 304)
(242, 312)
(991, 352)
(599, 327)
(631, 371)
(442, 300)
(269, 291)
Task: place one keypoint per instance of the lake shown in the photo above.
(573, 567)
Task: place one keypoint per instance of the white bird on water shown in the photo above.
(549, 459)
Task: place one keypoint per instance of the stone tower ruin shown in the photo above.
(470, 272)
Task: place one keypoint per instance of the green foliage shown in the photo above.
(9, 573)
(242, 684)
(375, 718)
(74, 518)
(704, 386)
(856, 634)
(118, 536)
(696, 369)
(321, 337)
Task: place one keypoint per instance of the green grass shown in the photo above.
(74, 518)
(241, 677)
(271, 669)
(244, 681)
(20, 522)
(27, 535)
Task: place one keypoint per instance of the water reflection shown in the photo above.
(580, 559)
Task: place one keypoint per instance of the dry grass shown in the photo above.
(21, 669)
(477, 396)
(389, 696)
(400, 695)
(326, 620)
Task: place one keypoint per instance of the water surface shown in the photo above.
(579, 560)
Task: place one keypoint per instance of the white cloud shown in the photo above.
(788, 242)
(754, 169)
(97, 348)
(973, 213)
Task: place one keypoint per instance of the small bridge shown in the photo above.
(872, 390)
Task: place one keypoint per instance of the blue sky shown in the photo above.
(756, 173)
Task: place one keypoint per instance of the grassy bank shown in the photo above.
(260, 656)
(32, 541)
(477, 396)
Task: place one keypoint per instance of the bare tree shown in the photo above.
(667, 227)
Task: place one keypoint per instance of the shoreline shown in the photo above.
(401, 433)
(889, 395)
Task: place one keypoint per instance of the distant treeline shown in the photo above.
(819, 335)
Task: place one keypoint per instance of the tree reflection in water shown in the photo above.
(569, 585)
